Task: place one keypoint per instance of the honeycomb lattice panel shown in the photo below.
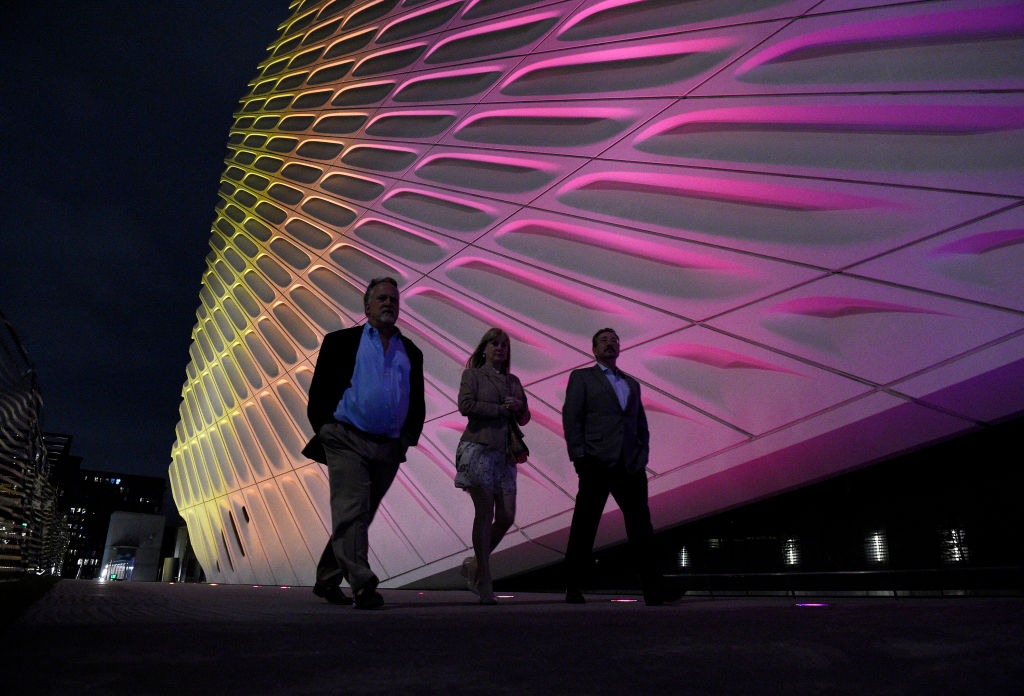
(803, 218)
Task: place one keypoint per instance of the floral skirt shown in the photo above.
(480, 466)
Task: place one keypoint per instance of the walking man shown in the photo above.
(367, 408)
(608, 441)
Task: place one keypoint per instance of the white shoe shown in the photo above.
(469, 571)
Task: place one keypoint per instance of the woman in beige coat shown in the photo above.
(493, 399)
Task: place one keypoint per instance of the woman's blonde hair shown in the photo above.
(477, 359)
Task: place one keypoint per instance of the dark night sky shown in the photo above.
(115, 119)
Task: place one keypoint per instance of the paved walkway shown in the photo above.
(86, 637)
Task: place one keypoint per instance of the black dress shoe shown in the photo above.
(368, 598)
(574, 596)
(332, 593)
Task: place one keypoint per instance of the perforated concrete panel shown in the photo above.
(803, 218)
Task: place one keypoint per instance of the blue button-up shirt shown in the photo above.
(378, 400)
(618, 383)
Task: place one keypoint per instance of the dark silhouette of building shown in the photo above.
(89, 498)
(32, 531)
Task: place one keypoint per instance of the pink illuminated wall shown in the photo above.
(804, 219)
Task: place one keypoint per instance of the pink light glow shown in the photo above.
(375, 148)
(554, 425)
(443, 464)
(718, 357)
(442, 347)
(568, 114)
(417, 495)
(983, 243)
(412, 16)
(530, 473)
(721, 190)
(452, 200)
(615, 241)
(598, 8)
(639, 52)
(493, 28)
(363, 251)
(838, 307)
(471, 311)
(410, 113)
(836, 118)
(439, 75)
(660, 407)
(398, 49)
(363, 85)
(521, 163)
(987, 23)
(536, 281)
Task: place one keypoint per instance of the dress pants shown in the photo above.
(360, 467)
(629, 489)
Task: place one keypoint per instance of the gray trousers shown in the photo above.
(360, 467)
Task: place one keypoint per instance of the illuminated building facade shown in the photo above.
(803, 218)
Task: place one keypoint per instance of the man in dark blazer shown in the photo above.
(608, 441)
(366, 407)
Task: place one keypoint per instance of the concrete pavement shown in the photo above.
(86, 637)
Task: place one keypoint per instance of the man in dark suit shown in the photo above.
(608, 441)
(366, 406)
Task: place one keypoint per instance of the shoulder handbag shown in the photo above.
(517, 448)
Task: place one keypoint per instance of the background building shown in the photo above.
(132, 549)
(33, 535)
(90, 498)
(804, 219)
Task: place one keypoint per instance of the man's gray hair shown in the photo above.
(374, 283)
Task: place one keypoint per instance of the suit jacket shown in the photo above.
(597, 429)
(333, 375)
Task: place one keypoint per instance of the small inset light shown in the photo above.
(812, 604)
(954, 546)
(421, 593)
(625, 601)
(683, 558)
(285, 587)
(791, 552)
(213, 584)
(877, 547)
(256, 586)
(505, 596)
